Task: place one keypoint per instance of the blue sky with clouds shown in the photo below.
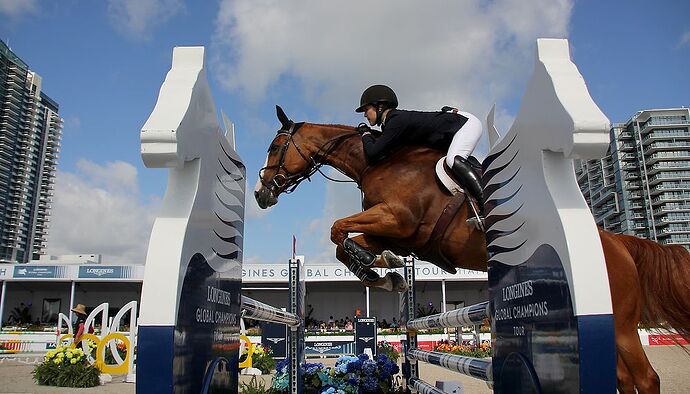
(104, 62)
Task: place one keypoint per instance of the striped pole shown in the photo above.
(468, 316)
(259, 311)
(475, 367)
(423, 387)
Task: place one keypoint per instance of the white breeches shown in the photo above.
(465, 139)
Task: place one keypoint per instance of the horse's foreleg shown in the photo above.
(380, 220)
(391, 282)
(359, 253)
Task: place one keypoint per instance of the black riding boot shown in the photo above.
(470, 181)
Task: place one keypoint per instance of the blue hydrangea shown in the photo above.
(370, 385)
(354, 366)
(363, 357)
(381, 359)
(283, 365)
(369, 367)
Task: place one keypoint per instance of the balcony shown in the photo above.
(660, 135)
(626, 147)
(668, 166)
(670, 186)
(675, 230)
(676, 207)
(662, 146)
(680, 155)
(605, 196)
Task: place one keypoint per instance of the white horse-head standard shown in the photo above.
(183, 134)
(191, 293)
(529, 178)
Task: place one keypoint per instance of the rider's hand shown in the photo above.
(363, 129)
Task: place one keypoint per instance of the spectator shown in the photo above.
(78, 329)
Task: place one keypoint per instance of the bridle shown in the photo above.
(289, 182)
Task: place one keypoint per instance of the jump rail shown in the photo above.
(259, 311)
(467, 316)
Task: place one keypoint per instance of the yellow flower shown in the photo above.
(56, 361)
(73, 361)
(68, 354)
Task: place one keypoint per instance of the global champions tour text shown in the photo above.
(517, 291)
(209, 316)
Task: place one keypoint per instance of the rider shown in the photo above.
(450, 129)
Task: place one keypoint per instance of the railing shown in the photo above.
(259, 311)
(467, 316)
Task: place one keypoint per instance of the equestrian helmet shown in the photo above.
(376, 95)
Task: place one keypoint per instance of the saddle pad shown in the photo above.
(451, 185)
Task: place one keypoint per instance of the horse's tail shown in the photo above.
(664, 274)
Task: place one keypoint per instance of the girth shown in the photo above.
(433, 245)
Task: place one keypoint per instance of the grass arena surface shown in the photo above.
(671, 363)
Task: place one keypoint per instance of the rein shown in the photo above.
(290, 181)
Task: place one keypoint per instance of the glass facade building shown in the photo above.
(642, 186)
(30, 131)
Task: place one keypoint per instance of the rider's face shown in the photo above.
(370, 114)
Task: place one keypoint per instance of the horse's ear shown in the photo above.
(284, 120)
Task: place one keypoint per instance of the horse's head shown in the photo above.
(288, 163)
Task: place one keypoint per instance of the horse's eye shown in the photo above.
(273, 148)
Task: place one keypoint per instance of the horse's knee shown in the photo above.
(650, 384)
(337, 234)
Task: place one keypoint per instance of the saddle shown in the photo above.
(451, 182)
(449, 179)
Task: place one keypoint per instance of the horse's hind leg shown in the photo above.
(625, 383)
(626, 299)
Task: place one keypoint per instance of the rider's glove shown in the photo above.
(363, 128)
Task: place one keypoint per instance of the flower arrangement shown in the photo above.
(350, 375)
(66, 367)
(481, 351)
(109, 357)
(389, 350)
(262, 358)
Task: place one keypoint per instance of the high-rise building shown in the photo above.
(642, 186)
(30, 131)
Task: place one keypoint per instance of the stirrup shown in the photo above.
(477, 220)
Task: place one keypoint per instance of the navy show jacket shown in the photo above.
(404, 128)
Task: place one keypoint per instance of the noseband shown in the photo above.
(289, 182)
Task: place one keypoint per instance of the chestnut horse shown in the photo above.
(402, 201)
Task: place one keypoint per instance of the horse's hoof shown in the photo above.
(398, 283)
(392, 260)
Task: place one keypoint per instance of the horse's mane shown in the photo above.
(336, 126)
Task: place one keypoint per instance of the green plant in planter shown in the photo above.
(386, 348)
(66, 367)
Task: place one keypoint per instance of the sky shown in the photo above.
(104, 62)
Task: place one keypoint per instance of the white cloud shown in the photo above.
(684, 39)
(15, 8)
(73, 123)
(468, 53)
(137, 18)
(342, 200)
(98, 210)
